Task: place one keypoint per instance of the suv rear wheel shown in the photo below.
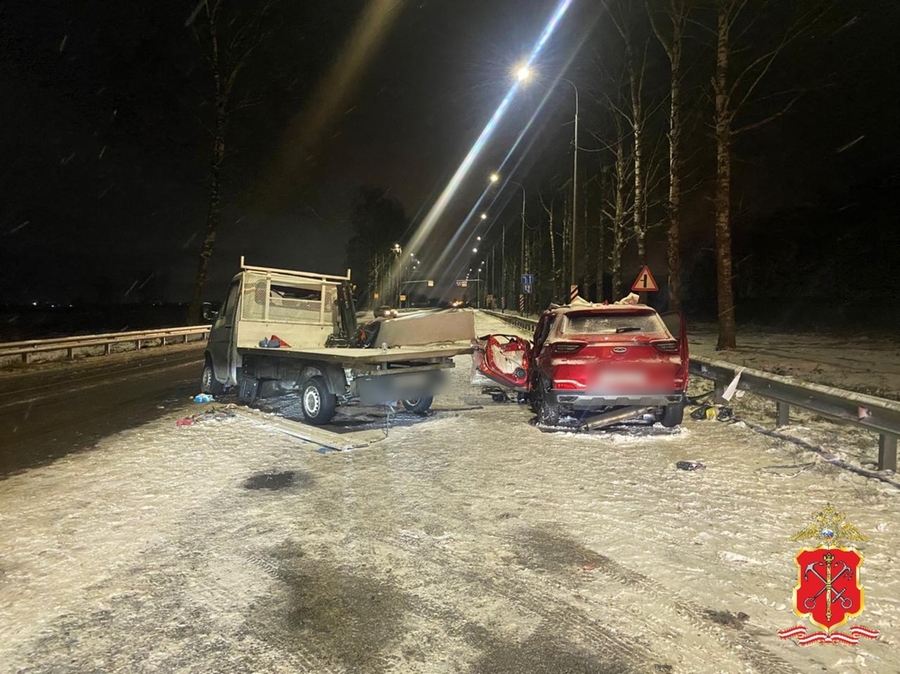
(672, 415)
(548, 413)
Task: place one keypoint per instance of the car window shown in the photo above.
(226, 313)
(611, 324)
(543, 331)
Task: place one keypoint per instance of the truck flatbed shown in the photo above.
(372, 356)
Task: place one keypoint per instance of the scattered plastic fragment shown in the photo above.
(187, 421)
(203, 398)
(689, 465)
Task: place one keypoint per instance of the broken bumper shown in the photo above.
(580, 400)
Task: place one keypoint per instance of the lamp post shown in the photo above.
(397, 251)
(574, 181)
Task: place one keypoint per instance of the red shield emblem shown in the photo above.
(828, 590)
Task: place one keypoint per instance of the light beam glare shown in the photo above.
(427, 226)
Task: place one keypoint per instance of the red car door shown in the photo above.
(504, 359)
(675, 324)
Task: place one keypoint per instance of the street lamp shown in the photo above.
(484, 216)
(574, 180)
(523, 73)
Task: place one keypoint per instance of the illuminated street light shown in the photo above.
(484, 215)
(478, 237)
(523, 73)
(494, 178)
(474, 250)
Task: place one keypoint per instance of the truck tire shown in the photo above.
(672, 415)
(317, 401)
(208, 382)
(419, 405)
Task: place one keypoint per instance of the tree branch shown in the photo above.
(770, 118)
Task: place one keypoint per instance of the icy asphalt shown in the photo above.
(468, 541)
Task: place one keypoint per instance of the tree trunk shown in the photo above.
(585, 279)
(637, 121)
(600, 261)
(618, 223)
(674, 209)
(553, 269)
(566, 250)
(724, 117)
(214, 210)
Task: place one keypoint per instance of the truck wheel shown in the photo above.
(208, 382)
(672, 415)
(418, 405)
(318, 402)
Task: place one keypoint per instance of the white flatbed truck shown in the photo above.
(280, 330)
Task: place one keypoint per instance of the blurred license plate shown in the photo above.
(614, 378)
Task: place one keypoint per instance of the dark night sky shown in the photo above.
(104, 149)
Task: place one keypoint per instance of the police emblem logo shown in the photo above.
(828, 590)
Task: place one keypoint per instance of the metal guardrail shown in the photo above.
(877, 415)
(31, 347)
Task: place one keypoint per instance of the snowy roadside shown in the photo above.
(859, 363)
(467, 541)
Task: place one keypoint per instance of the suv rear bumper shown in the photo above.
(589, 401)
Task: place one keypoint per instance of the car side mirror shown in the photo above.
(209, 313)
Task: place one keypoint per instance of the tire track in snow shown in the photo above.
(545, 603)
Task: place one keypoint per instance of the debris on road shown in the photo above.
(219, 413)
(203, 398)
(712, 412)
(690, 465)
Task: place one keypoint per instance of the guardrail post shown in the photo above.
(887, 452)
(783, 414)
(719, 393)
(70, 353)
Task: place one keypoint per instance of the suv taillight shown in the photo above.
(668, 346)
(566, 348)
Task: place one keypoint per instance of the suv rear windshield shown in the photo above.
(610, 324)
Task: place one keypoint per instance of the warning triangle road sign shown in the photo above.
(645, 282)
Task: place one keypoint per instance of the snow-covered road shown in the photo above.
(465, 542)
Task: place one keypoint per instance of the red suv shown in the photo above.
(594, 358)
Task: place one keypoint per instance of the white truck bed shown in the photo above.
(397, 354)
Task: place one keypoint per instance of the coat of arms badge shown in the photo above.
(828, 590)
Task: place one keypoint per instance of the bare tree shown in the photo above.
(228, 40)
(734, 92)
(555, 271)
(672, 39)
(616, 206)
